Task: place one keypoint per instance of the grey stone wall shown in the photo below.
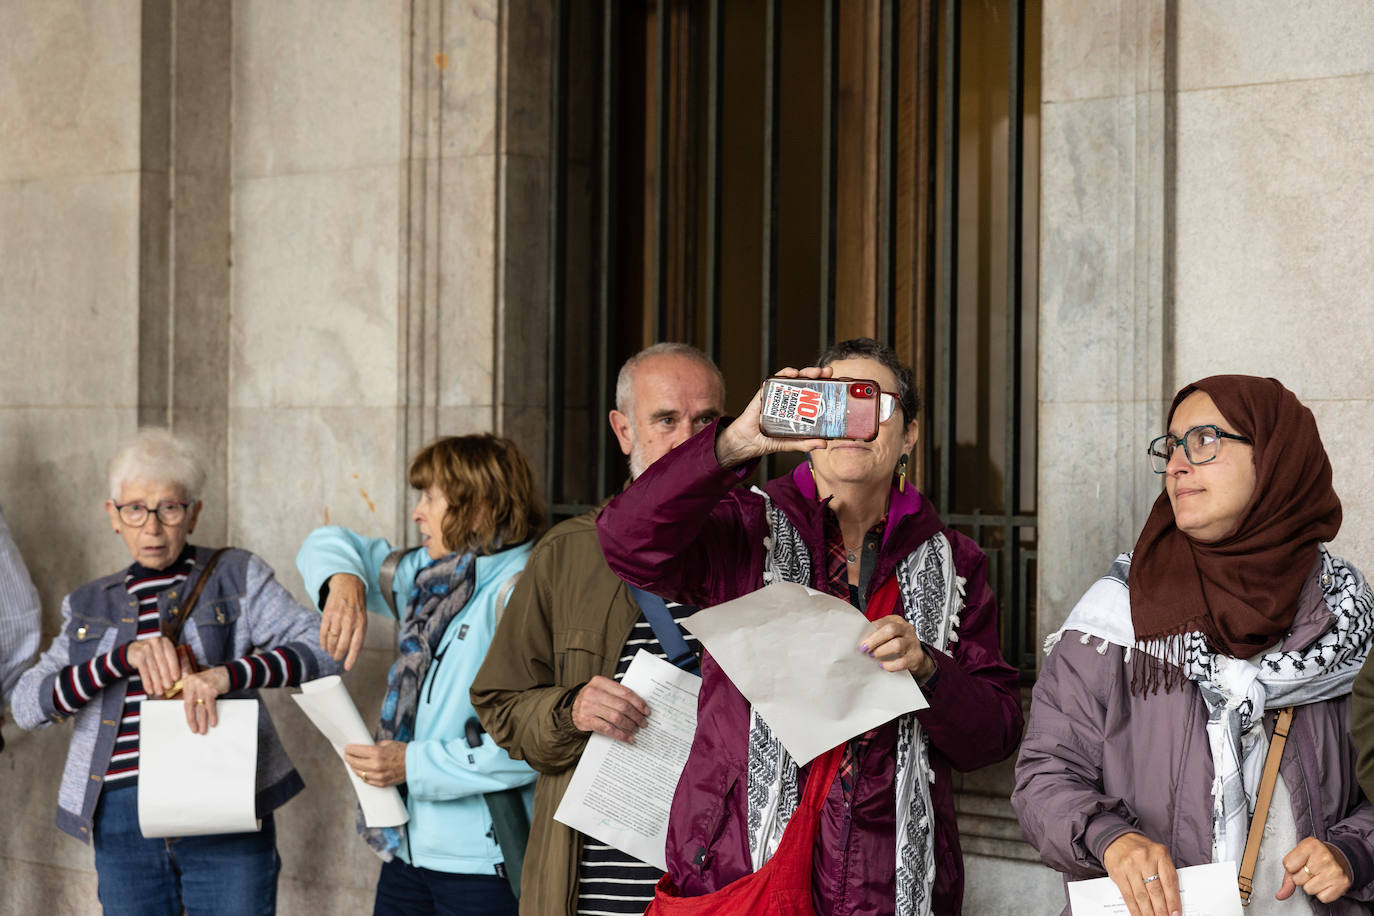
(312, 234)
(1206, 191)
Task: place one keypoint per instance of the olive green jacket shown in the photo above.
(567, 620)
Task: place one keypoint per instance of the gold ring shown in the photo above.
(363, 775)
(200, 701)
(1309, 871)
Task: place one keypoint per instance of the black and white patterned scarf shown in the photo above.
(1239, 691)
(440, 593)
(932, 596)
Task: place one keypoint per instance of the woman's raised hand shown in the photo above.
(743, 440)
(1145, 875)
(343, 621)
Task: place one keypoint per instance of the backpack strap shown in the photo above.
(503, 596)
(667, 631)
(387, 575)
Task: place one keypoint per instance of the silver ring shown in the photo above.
(1148, 878)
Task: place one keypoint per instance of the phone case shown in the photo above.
(806, 408)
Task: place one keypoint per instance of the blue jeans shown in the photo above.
(229, 873)
(404, 890)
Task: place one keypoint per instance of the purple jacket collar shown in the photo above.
(911, 520)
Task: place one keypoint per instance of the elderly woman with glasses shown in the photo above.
(120, 643)
(846, 523)
(1222, 649)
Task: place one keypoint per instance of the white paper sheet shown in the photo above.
(189, 784)
(620, 793)
(794, 654)
(1206, 890)
(326, 701)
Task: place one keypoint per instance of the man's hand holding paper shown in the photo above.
(793, 653)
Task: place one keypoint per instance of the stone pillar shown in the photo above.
(184, 229)
(1106, 281)
(69, 310)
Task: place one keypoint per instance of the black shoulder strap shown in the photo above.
(387, 575)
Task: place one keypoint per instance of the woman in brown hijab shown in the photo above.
(1150, 725)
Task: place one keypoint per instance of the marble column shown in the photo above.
(1106, 282)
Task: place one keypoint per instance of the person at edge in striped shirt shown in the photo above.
(552, 674)
(113, 650)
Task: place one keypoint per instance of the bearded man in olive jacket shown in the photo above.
(567, 635)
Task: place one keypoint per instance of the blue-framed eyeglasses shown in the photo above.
(1200, 445)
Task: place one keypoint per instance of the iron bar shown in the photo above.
(1011, 475)
(558, 255)
(768, 318)
(949, 260)
(658, 320)
(887, 171)
(713, 180)
(610, 62)
(830, 86)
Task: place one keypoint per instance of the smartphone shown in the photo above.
(820, 408)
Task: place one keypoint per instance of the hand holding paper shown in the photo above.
(793, 653)
(620, 793)
(326, 701)
(1205, 890)
(176, 766)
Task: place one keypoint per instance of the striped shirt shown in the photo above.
(77, 685)
(609, 881)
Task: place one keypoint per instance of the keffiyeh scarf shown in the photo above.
(932, 596)
(1237, 691)
(440, 594)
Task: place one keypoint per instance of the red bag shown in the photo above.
(782, 887)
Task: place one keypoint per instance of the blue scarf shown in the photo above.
(440, 594)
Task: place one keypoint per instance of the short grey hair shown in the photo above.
(158, 455)
(624, 383)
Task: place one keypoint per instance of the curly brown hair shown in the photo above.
(493, 502)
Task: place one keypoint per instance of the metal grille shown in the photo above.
(644, 195)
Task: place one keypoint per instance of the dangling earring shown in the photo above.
(901, 475)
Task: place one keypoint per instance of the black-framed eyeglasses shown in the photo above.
(1200, 445)
(135, 515)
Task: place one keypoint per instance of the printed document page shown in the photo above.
(794, 654)
(620, 793)
(326, 701)
(189, 784)
(1206, 890)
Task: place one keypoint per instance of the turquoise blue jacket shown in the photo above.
(450, 828)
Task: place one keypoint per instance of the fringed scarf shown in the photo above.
(1237, 691)
(932, 596)
(440, 593)
(1240, 592)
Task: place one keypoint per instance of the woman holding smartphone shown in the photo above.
(848, 523)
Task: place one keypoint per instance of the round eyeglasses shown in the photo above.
(135, 515)
(1200, 445)
(887, 406)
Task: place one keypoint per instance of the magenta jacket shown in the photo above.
(1099, 762)
(687, 531)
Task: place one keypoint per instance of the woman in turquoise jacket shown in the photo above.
(478, 512)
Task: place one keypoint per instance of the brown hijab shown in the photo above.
(1240, 592)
